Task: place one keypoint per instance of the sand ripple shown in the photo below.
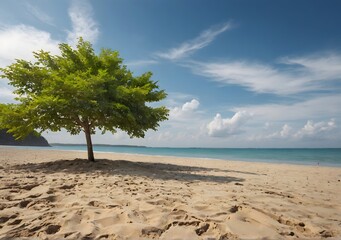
(164, 198)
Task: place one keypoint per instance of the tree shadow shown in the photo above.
(159, 171)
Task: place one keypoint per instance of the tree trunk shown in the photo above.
(89, 144)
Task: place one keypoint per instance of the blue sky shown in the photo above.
(237, 73)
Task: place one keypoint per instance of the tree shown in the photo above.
(80, 91)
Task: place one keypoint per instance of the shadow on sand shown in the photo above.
(159, 171)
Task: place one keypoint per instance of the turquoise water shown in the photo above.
(307, 156)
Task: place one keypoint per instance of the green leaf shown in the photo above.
(80, 91)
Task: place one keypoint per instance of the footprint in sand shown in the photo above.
(4, 219)
(151, 232)
(235, 209)
(67, 187)
(29, 187)
(96, 204)
(202, 229)
(52, 229)
(50, 191)
(99, 204)
(228, 236)
(326, 234)
(15, 222)
(24, 203)
(179, 214)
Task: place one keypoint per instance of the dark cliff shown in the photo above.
(30, 140)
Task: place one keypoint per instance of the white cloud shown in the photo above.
(185, 111)
(304, 74)
(286, 130)
(189, 47)
(312, 130)
(321, 130)
(220, 127)
(290, 118)
(18, 42)
(323, 66)
(39, 14)
(316, 108)
(190, 106)
(6, 95)
(83, 24)
(255, 77)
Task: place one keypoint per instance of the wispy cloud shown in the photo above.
(83, 23)
(176, 99)
(39, 14)
(325, 66)
(141, 63)
(295, 75)
(315, 108)
(189, 47)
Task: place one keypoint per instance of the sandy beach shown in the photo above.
(60, 195)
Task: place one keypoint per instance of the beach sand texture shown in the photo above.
(60, 195)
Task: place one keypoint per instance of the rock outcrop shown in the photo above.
(30, 140)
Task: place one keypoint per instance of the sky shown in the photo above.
(250, 74)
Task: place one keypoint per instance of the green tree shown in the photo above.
(80, 91)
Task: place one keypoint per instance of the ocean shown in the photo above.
(305, 156)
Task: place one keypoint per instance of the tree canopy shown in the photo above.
(80, 91)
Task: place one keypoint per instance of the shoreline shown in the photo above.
(267, 161)
(59, 194)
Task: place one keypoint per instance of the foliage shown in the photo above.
(80, 91)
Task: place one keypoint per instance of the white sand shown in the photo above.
(53, 195)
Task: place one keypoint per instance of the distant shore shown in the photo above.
(299, 156)
(97, 144)
(58, 194)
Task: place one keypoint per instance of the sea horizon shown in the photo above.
(146, 146)
(301, 156)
